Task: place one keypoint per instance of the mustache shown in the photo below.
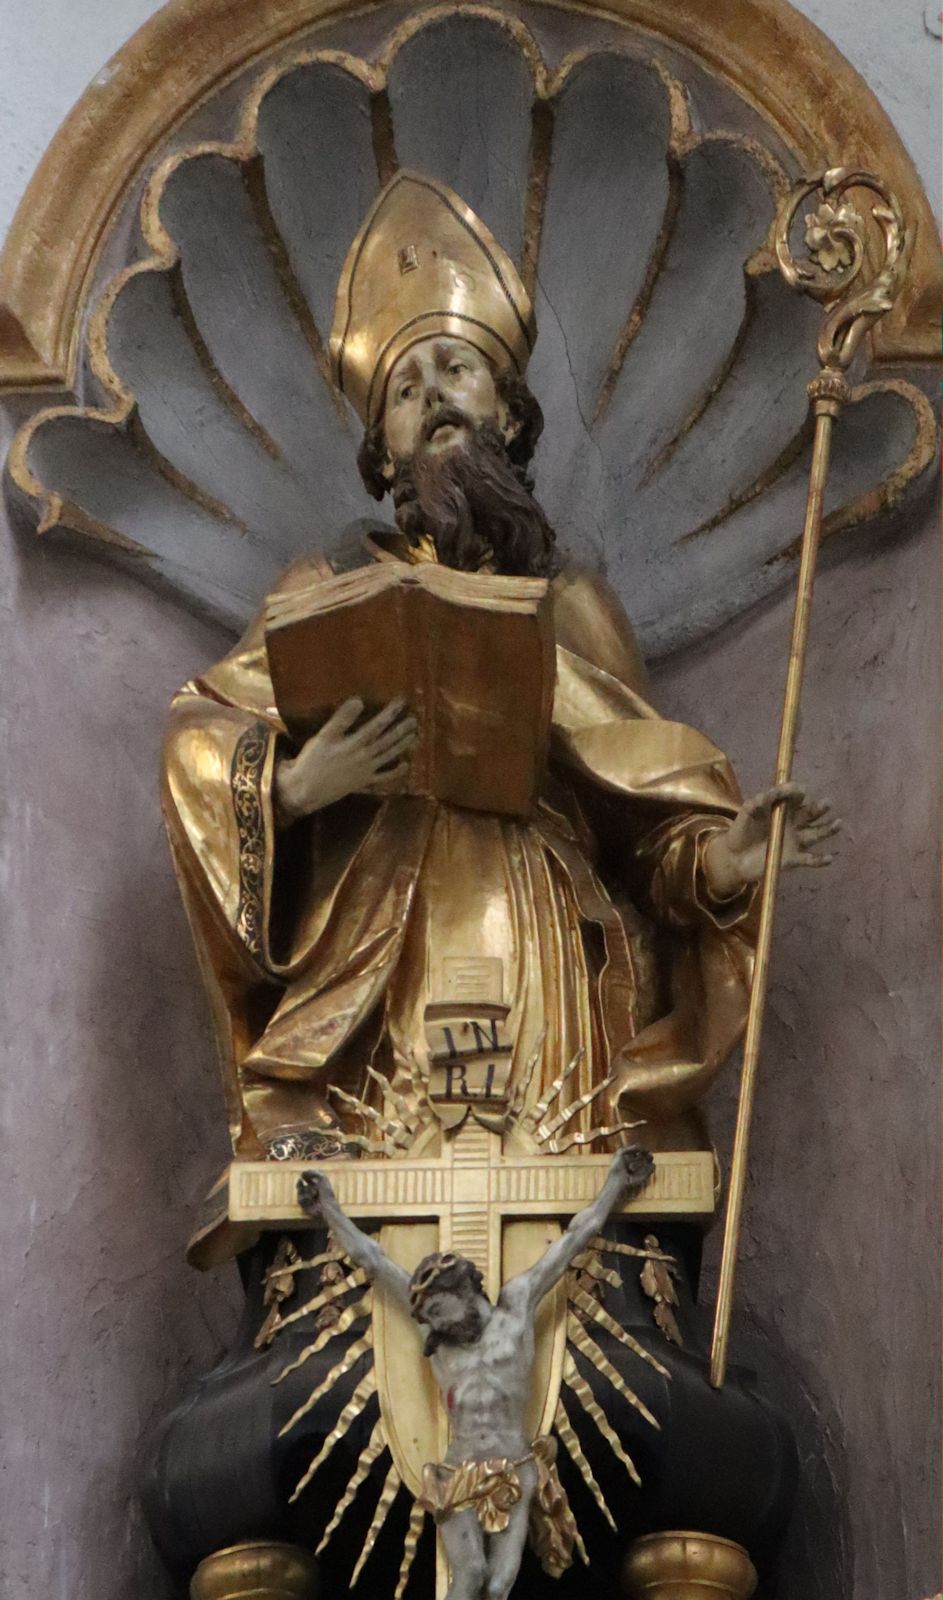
(444, 416)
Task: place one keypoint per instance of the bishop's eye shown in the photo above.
(407, 391)
(455, 367)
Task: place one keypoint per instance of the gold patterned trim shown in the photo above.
(248, 765)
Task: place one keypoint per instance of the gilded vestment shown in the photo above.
(323, 943)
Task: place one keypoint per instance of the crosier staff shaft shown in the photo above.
(774, 855)
(835, 235)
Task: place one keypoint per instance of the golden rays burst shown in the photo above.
(585, 1315)
(392, 1128)
(354, 1282)
(565, 1122)
(390, 1121)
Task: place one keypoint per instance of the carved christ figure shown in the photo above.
(331, 907)
(495, 1484)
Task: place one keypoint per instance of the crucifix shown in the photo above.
(482, 1179)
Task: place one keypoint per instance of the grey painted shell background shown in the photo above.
(637, 196)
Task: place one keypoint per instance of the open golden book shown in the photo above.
(472, 655)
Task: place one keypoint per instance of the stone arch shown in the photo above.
(801, 86)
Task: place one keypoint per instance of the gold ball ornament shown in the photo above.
(258, 1570)
(688, 1566)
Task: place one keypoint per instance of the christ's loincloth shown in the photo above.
(493, 1488)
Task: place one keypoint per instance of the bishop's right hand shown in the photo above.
(340, 760)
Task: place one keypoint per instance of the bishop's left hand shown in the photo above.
(738, 856)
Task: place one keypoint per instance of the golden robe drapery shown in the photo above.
(322, 944)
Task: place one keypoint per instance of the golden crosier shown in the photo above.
(856, 308)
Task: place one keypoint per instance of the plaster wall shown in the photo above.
(839, 1281)
(110, 1123)
(111, 1117)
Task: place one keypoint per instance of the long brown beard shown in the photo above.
(473, 503)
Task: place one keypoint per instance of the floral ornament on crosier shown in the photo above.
(830, 235)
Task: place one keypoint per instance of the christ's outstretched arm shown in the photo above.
(629, 1172)
(318, 1201)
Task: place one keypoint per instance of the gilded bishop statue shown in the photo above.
(332, 907)
(509, 902)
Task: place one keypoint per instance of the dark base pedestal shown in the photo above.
(720, 1464)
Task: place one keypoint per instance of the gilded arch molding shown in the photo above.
(801, 85)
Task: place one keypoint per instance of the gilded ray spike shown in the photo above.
(581, 1549)
(357, 1402)
(349, 1359)
(371, 1452)
(527, 1076)
(416, 1076)
(548, 1130)
(580, 1139)
(574, 1450)
(354, 1280)
(543, 1106)
(584, 1394)
(388, 1494)
(580, 1339)
(370, 1147)
(388, 1130)
(615, 1247)
(600, 1273)
(421, 1086)
(346, 1320)
(597, 1313)
(413, 1534)
(352, 1101)
(402, 1107)
(308, 1262)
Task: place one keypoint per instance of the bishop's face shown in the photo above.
(438, 375)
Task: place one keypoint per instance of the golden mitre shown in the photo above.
(423, 264)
